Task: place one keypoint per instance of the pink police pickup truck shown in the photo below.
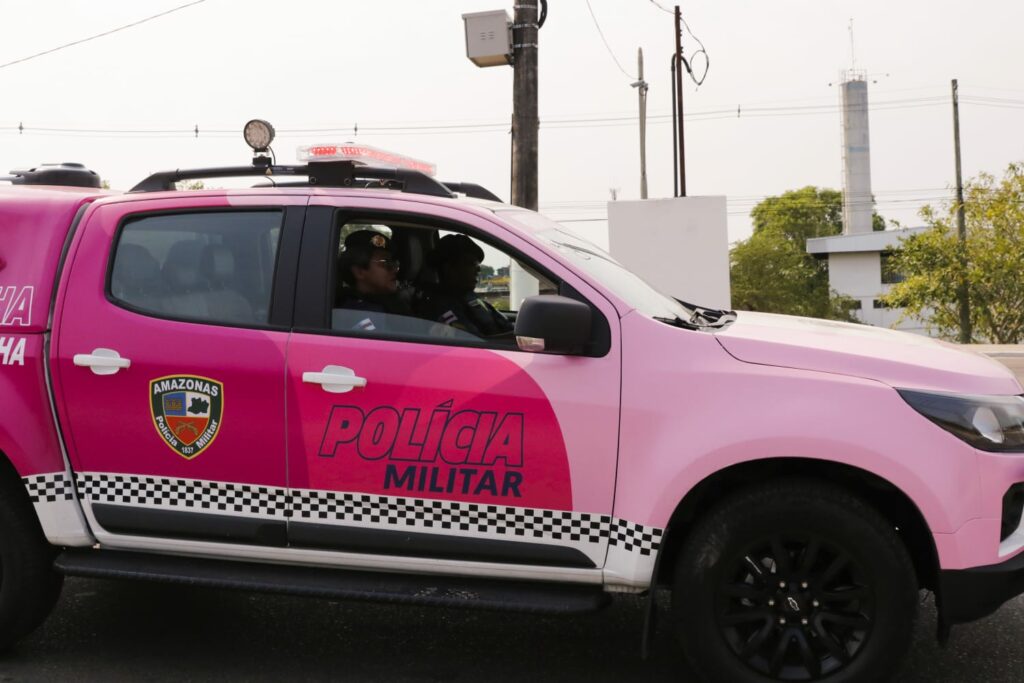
(185, 399)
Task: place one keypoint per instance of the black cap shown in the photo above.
(455, 245)
(367, 239)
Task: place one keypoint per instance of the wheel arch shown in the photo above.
(12, 484)
(891, 502)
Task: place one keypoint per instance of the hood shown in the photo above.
(899, 359)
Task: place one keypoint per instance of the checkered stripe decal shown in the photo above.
(435, 514)
(121, 489)
(49, 488)
(635, 537)
(340, 507)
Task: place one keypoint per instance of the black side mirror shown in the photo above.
(553, 324)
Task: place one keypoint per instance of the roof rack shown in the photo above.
(319, 173)
(473, 190)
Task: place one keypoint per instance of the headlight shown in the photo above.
(991, 423)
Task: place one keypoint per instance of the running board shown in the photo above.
(415, 589)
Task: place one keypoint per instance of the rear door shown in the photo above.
(455, 450)
(169, 363)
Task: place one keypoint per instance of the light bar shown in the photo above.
(364, 155)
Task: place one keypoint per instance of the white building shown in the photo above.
(857, 267)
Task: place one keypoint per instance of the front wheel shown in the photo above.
(794, 581)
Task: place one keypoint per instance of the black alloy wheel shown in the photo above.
(794, 580)
(795, 608)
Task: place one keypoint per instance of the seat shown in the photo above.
(136, 278)
(224, 300)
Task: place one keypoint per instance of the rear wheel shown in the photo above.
(29, 586)
(794, 581)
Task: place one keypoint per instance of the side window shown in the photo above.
(419, 283)
(213, 267)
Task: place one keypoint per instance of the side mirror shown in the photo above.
(553, 324)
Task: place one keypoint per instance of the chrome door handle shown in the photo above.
(102, 361)
(335, 379)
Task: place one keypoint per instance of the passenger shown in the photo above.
(369, 272)
(454, 302)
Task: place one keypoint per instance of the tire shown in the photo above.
(29, 586)
(794, 580)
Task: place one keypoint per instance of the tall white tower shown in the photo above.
(857, 200)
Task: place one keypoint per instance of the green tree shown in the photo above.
(993, 265)
(772, 271)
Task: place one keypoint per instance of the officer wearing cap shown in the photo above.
(369, 273)
(454, 302)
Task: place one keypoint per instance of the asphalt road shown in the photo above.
(112, 631)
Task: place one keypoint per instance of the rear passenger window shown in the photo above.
(213, 267)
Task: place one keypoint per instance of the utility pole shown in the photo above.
(962, 296)
(679, 101)
(525, 123)
(641, 88)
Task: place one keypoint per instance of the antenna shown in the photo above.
(853, 53)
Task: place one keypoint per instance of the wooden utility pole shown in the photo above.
(963, 299)
(641, 87)
(679, 102)
(525, 123)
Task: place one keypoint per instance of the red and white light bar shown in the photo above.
(363, 154)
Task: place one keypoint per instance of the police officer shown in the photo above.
(454, 302)
(369, 273)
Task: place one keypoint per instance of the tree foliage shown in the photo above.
(772, 271)
(993, 263)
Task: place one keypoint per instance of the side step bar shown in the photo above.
(445, 591)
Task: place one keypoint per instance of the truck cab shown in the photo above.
(192, 396)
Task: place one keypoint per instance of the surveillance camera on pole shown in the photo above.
(493, 40)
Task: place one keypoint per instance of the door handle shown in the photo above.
(102, 361)
(335, 379)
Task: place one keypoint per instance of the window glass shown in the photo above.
(214, 267)
(415, 282)
(599, 264)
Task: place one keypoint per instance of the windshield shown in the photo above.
(599, 264)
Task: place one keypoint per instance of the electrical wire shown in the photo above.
(100, 35)
(662, 8)
(607, 46)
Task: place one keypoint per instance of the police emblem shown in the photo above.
(379, 241)
(186, 412)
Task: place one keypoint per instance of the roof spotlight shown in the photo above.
(258, 135)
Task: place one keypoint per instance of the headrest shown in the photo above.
(135, 268)
(218, 264)
(181, 268)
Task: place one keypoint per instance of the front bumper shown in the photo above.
(968, 594)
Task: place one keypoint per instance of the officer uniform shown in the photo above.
(451, 304)
(365, 311)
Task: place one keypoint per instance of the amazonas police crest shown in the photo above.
(187, 412)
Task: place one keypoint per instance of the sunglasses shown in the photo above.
(389, 263)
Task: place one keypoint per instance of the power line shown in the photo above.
(100, 35)
(607, 46)
(662, 7)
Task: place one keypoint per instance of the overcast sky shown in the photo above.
(401, 64)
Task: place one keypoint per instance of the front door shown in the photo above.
(169, 364)
(413, 440)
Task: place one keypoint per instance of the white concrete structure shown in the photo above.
(857, 199)
(679, 245)
(855, 268)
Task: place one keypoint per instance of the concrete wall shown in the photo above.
(679, 245)
(859, 274)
